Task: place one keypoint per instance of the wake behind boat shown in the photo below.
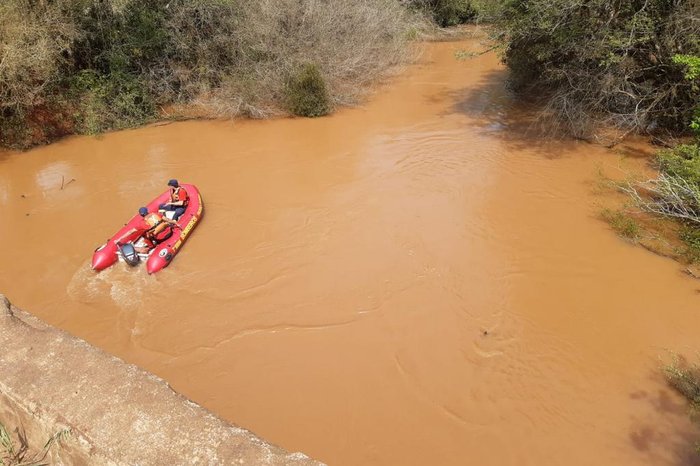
(132, 243)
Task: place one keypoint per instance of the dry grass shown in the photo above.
(684, 376)
(34, 44)
(259, 45)
(16, 451)
(114, 63)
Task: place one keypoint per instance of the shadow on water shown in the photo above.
(676, 438)
(519, 121)
(5, 154)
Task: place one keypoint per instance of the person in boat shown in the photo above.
(153, 225)
(178, 200)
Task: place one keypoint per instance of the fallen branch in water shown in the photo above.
(669, 196)
(63, 183)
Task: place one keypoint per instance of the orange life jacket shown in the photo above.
(175, 196)
(153, 219)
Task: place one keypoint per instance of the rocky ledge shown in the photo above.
(109, 412)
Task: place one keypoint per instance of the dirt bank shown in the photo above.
(418, 281)
(116, 413)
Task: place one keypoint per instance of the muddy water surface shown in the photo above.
(417, 281)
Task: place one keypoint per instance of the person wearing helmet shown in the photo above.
(153, 225)
(179, 199)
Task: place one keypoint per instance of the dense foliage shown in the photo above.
(447, 13)
(92, 65)
(633, 65)
(603, 61)
(675, 193)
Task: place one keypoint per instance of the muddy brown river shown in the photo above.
(420, 280)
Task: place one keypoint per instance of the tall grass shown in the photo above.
(35, 44)
(93, 65)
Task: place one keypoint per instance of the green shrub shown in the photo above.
(685, 378)
(691, 237)
(602, 62)
(110, 63)
(622, 224)
(675, 193)
(682, 161)
(108, 102)
(306, 92)
(14, 132)
(121, 37)
(448, 13)
(452, 12)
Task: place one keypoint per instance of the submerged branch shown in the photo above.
(669, 196)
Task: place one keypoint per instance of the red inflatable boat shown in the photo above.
(169, 242)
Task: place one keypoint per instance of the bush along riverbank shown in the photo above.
(602, 70)
(601, 63)
(684, 377)
(446, 13)
(87, 66)
(675, 193)
(632, 66)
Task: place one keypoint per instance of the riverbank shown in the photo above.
(415, 281)
(653, 206)
(78, 67)
(101, 410)
(633, 67)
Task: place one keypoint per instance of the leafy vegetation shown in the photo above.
(684, 377)
(448, 12)
(88, 66)
(624, 225)
(453, 12)
(617, 63)
(112, 101)
(633, 65)
(691, 238)
(306, 93)
(675, 193)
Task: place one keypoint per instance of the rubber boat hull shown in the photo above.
(162, 255)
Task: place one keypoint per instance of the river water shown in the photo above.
(421, 280)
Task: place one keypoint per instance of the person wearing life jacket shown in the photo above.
(179, 199)
(153, 225)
